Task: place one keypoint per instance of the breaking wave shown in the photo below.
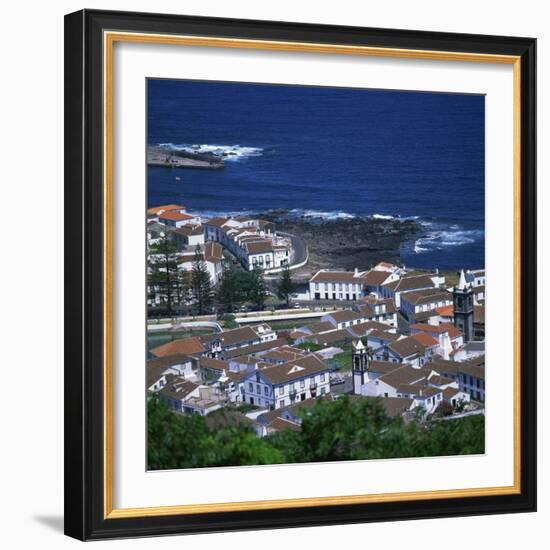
(318, 214)
(453, 236)
(226, 152)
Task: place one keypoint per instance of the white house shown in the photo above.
(388, 384)
(187, 397)
(475, 277)
(407, 284)
(415, 303)
(415, 350)
(155, 212)
(278, 386)
(174, 218)
(212, 256)
(344, 318)
(251, 241)
(448, 336)
(336, 285)
(471, 379)
(242, 337)
(189, 235)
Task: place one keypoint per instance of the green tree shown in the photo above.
(344, 429)
(201, 286)
(230, 292)
(257, 289)
(174, 441)
(165, 280)
(286, 286)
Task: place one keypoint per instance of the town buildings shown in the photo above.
(252, 241)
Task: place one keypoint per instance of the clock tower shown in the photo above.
(360, 360)
(463, 308)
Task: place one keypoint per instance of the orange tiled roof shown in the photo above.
(185, 345)
(175, 216)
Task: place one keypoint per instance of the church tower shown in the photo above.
(360, 360)
(463, 308)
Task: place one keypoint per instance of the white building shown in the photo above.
(173, 218)
(336, 285)
(448, 336)
(252, 241)
(282, 385)
(414, 304)
(415, 350)
(396, 288)
(212, 256)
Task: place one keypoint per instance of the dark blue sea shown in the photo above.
(330, 153)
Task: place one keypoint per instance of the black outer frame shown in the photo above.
(84, 275)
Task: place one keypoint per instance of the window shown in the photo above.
(281, 390)
(302, 383)
(258, 389)
(323, 377)
(266, 390)
(282, 403)
(250, 387)
(323, 390)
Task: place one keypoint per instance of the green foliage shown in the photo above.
(286, 286)
(165, 280)
(310, 346)
(359, 430)
(230, 290)
(201, 286)
(344, 429)
(176, 441)
(257, 292)
(237, 287)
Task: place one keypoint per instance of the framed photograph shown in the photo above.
(300, 274)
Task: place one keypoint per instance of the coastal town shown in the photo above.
(242, 330)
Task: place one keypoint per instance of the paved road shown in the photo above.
(299, 246)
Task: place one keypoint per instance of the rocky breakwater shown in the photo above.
(347, 243)
(170, 158)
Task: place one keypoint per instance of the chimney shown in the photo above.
(355, 272)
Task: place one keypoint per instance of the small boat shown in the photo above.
(178, 178)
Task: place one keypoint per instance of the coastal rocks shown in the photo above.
(348, 243)
(161, 156)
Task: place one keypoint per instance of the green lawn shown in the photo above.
(344, 359)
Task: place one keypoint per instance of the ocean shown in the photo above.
(331, 153)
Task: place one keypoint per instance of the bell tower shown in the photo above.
(463, 308)
(360, 361)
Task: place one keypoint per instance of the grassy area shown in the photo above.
(344, 359)
(311, 346)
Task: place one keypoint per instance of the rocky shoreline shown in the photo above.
(161, 156)
(348, 243)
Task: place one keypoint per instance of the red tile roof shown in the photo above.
(185, 345)
(425, 339)
(155, 210)
(175, 216)
(445, 311)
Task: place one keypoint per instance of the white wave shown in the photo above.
(336, 215)
(418, 249)
(227, 152)
(382, 217)
(437, 240)
(207, 214)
